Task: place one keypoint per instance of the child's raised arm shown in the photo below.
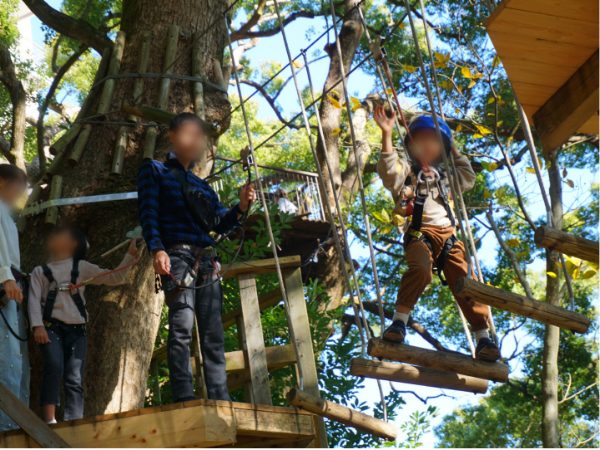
(392, 170)
(97, 275)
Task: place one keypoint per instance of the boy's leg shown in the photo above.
(416, 278)
(52, 367)
(456, 267)
(181, 321)
(75, 350)
(209, 306)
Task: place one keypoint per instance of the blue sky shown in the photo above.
(300, 34)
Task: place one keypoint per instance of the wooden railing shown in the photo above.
(249, 366)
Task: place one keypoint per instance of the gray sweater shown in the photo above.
(64, 307)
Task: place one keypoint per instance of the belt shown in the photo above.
(56, 322)
(195, 249)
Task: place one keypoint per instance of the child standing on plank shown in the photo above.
(14, 359)
(58, 316)
(420, 191)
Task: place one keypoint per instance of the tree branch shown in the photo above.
(271, 103)
(247, 34)
(78, 29)
(18, 98)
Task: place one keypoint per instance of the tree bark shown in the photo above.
(18, 98)
(550, 418)
(124, 320)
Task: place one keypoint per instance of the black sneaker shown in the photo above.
(487, 350)
(395, 332)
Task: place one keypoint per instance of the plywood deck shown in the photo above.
(200, 423)
(541, 44)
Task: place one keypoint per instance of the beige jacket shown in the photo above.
(394, 170)
(64, 307)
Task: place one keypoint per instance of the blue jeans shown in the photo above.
(64, 358)
(14, 358)
(206, 303)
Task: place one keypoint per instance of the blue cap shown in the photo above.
(426, 122)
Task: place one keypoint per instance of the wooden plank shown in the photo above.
(582, 10)
(168, 62)
(518, 304)
(299, 327)
(422, 376)
(550, 74)
(260, 266)
(199, 423)
(255, 343)
(31, 424)
(342, 414)
(451, 362)
(567, 243)
(278, 356)
(265, 301)
(570, 107)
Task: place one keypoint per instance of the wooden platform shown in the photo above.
(201, 423)
(549, 49)
(567, 243)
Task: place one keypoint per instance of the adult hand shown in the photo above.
(247, 196)
(13, 291)
(384, 120)
(40, 335)
(162, 263)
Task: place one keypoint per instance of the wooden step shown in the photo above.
(405, 373)
(518, 304)
(342, 414)
(568, 244)
(432, 359)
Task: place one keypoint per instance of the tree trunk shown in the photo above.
(124, 320)
(328, 149)
(550, 418)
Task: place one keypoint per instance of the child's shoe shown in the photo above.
(487, 350)
(395, 332)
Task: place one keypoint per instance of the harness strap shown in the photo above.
(442, 258)
(52, 293)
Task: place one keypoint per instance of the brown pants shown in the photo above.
(420, 262)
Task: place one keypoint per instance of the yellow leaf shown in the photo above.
(446, 85)
(575, 274)
(389, 91)
(441, 60)
(530, 170)
(551, 274)
(385, 216)
(355, 103)
(489, 284)
(297, 64)
(483, 130)
(512, 242)
(336, 131)
(487, 194)
(471, 84)
(459, 128)
(490, 100)
(477, 136)
(466, 72)
(408, 68)
(398, 220)
(334, 101)
(588, 274)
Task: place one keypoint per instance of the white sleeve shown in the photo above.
(5, 262)
(34, 300)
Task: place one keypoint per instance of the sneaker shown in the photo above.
(487, 350)
(395, 332)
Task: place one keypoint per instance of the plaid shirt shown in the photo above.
(163, 214)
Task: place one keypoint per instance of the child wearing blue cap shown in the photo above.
(420, 189)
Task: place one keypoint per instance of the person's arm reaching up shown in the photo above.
(464, 171)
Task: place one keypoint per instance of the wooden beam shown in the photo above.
(31, 424)
(198, 423)
(278, 356)
(255, 342)
(448, 361)
(519, 304)
(299, 328)
(422, 376)
(342, 414)
(570, 107)
(260, 266)
(568, 244)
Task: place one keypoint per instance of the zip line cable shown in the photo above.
(261, 191)
(336, 238)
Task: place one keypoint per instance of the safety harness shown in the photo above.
(53, 292)
(414, 231)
